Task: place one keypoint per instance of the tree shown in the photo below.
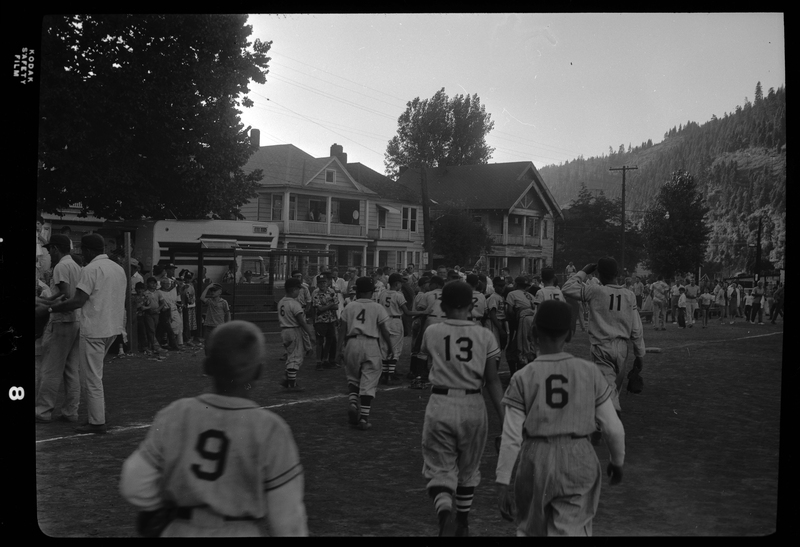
(440, 131)
(139, 118)
(458, 238)
(591, 229)
(675, 233)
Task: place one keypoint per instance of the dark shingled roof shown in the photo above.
(484, 186)
(381, 184)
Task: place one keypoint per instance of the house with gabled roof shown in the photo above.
(321, 203)
(510, 199)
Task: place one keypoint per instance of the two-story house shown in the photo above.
(319, 203)
(510, 199)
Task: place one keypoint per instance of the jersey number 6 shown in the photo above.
(217, 456)
(550, 391)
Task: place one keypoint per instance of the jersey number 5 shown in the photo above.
(551, 391)
(217, 456)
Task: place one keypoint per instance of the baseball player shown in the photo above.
(291, 318)
(551, 407)
(478, 299)
(548, 289)
(216, 464)
(418, 366)
(613, 321)
(396, 305)
(660, 292)
(364, 322)
(463, 355)
(519, 311)
(496, 310)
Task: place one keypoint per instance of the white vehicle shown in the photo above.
(182, 241)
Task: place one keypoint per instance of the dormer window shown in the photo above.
(330, 175)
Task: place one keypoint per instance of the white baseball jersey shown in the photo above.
(433, 303)
(288, 310)
(612, 311)
(478, 306)
(547, 293)
(362, 317)
(458, 350)
(497, 302)
(222, 452)
(518, 300)
(393, 302)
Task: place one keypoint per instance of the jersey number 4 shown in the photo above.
(217, 456)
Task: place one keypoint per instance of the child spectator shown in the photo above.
(748, 304)
(706, 299)
(151, 309)
(682, 308)
(140, 304)
(217, 311)
(326, 304)
(215, 464)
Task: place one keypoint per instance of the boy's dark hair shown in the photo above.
(607, 267)
(395, 278)
(457, 294)
(364, 285)
(553, 318)
(422, 280)
(548, 274)
(139, 285)
(153, 279)
(296, 272)
(472, 280)
(292, 283)
(436, 281)
(452, 274)
(499, 280)
(231, 351)
(520, 281)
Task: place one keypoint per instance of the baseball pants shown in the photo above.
(363, 363)
(61, 360)
(526, 344)
(453, 438)
(293, 341)
(93, 351)
(557, 487)
(611, 358)
(395, 327)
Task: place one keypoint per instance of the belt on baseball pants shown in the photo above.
(446, 391)
(555, 437)
(185, 513)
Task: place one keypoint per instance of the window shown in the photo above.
(533, 226)
(264, 207)
(381, 217)
(544, 229)
(399, 265)
(477, 220)
(330, 175)
(410, 219)
(277, 207)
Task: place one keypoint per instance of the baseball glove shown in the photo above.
(635, 381)
(151, 524)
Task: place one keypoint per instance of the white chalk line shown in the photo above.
(134, 427)
(664, 348)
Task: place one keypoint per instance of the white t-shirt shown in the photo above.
(106, 283)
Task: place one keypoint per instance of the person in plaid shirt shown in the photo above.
(325, 302)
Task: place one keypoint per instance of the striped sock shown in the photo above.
(366, 400)
(443, 502)
(385, 367)
(291, 375)
(352, 395)
(464, 496)
(392, 366)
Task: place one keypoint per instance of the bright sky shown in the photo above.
(556, 85)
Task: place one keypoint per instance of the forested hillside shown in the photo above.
(738, 159)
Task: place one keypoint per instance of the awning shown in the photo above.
(388, 208)
(218, 243)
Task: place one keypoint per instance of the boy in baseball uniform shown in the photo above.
(364, 323)
(216, 464)
(478, 313)
(551, 407)
(291, 319)
(396, 306)
(519, 311)
(463, 356)
(496, 310)
(613, 321)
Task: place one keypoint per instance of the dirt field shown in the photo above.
(702, 445)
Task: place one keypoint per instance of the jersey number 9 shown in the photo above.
(217, 456)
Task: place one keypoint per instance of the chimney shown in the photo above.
(338, 151)
(255, 138)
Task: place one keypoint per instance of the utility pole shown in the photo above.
(426, 217)
(624, 169)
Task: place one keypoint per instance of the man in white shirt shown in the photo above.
(100, 295)
(339, 285)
